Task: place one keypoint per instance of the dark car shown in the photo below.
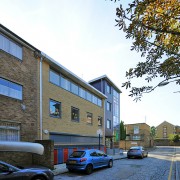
(87, 160)
(10, 172)
(137, 151)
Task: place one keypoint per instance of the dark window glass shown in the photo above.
(55, 108)
(74, 114)
(99, 121)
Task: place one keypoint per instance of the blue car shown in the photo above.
(87, 160)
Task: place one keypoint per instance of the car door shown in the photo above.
(95, 159)
(9, 173)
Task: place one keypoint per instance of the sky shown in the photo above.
(82, 36)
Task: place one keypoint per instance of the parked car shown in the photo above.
(137, 151)
(10, 172)
(87, 160)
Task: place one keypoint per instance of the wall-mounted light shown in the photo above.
(45, 131)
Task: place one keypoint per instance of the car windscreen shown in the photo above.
(134, 148)
(77, 154)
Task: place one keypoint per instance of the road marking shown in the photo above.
(172, 161)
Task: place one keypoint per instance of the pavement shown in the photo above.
(61, 168)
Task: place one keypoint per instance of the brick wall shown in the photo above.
(24, 73)
(68, 100)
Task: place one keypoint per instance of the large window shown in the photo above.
(54, 78)
(10, 89)
(108, 89)
(65, 83)
(55, 108)
(9, 131)
(74, 88)
(82, 93)
(10, 47)
(74, 114)
(89, 118)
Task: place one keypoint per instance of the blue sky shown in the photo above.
(81, 35)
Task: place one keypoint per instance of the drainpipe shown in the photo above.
(40, 85)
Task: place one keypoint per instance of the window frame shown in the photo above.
(89, 115)
(9, 88)
(10, 49)
(57, 102)
(108, 123)
(108, 106)
(76, 109)
(101, 121)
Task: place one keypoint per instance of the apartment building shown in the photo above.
(42, 100)
(18, 91)
(112, 109)
(164, 129)
(137, 134)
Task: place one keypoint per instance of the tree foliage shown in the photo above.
(154, 27)
(153, 131)
(174, 138)
(122, 131)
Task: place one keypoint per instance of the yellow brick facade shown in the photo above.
(164, 130)
(64, 124)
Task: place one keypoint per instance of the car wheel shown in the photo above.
(128, 157)
(110, 164)
(70, 170)
(39, 178)
(142, 156)
(147, 155)
(89, 169)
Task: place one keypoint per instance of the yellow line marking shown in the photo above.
(170, 171)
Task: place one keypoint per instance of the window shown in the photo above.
(55, 108)
(9, 131)
(94, 99)
(108, 124)
(74, 114)
(54, 78)
(99, 121)
(10, 47)
(99, 102)
(136, 129)
(10, 89)
(108, 89)
(82, 93)
(89, 118)
(74, 88)
(89, 96)
(136, 138)
(65, 83)
(108, 106)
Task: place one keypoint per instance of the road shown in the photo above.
(160, 165)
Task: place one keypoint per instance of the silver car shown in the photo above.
(137, 151)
